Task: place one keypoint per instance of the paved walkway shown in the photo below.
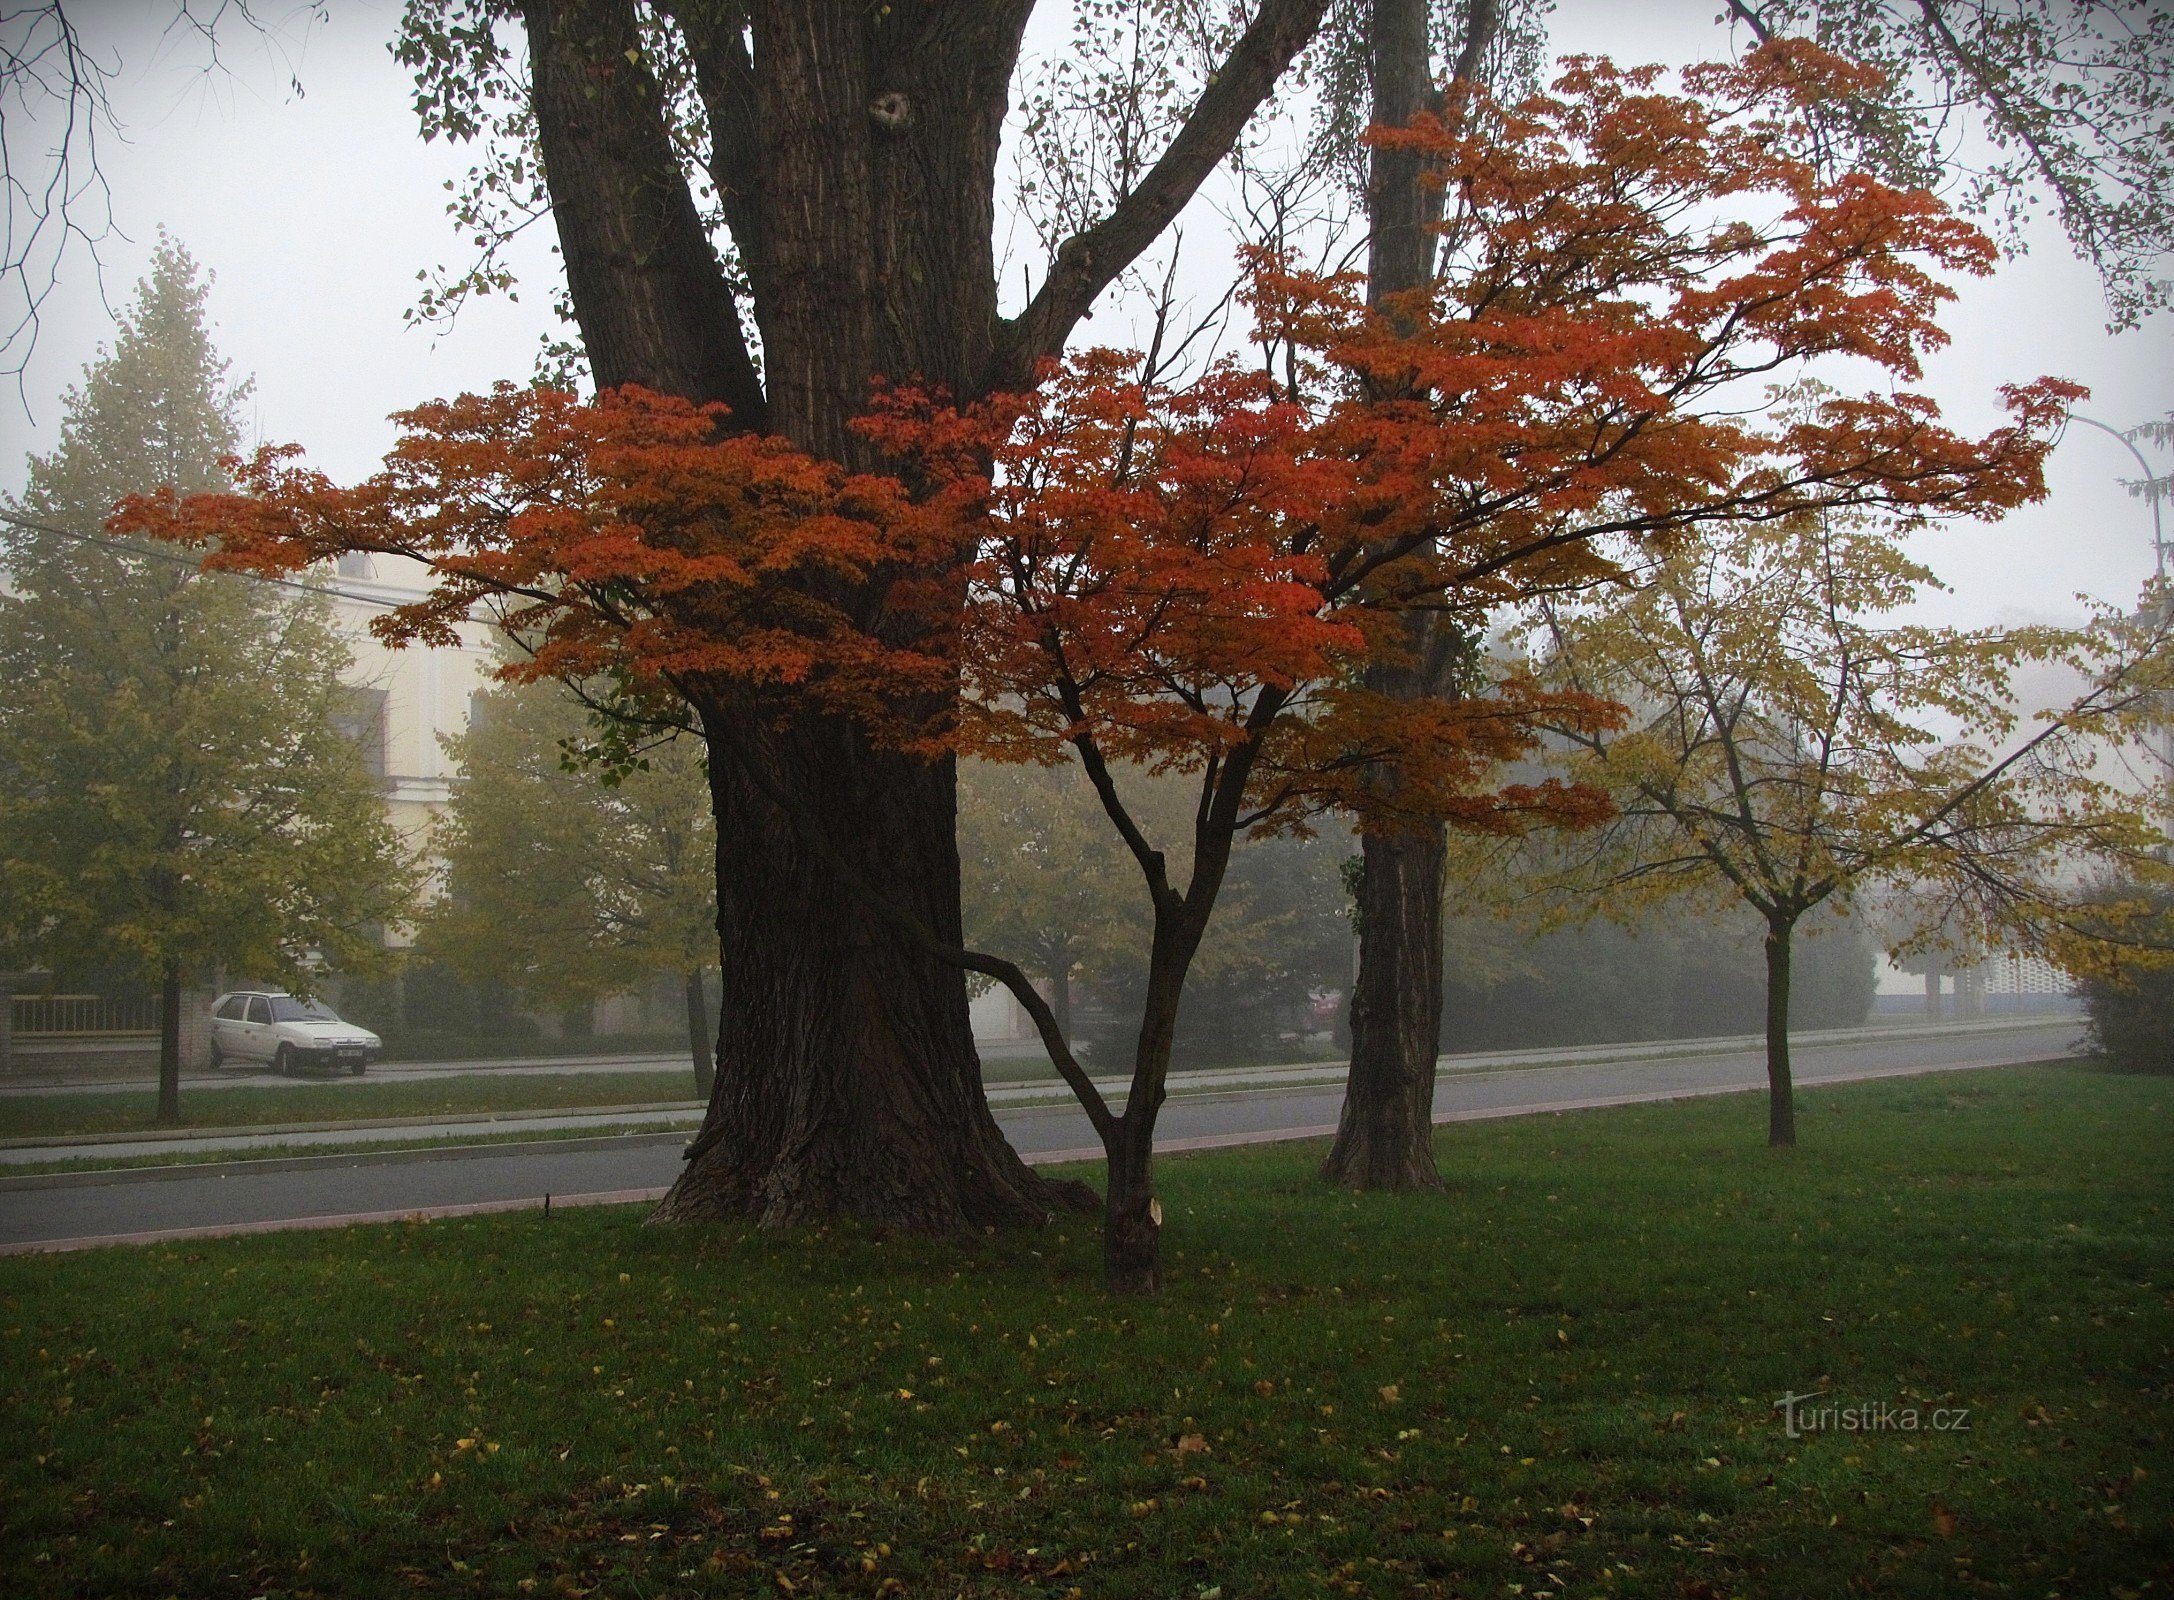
(250, 1196)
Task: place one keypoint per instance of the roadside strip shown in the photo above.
(1192, 1085)
(364, 1156)
(1044, 1158)
(267, 1131)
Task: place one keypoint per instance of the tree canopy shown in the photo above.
(174, 794)
(565, 880)
(1791, 744)
(1192, 580)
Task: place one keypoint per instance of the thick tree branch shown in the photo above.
(653, 304)
(725, 79)
(1088, 261)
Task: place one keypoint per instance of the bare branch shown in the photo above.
(1089, 261)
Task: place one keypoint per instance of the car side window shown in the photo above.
(260, 1009)
(230, 1009)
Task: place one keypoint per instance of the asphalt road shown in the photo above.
(334, 1186)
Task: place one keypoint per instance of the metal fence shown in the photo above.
(81, 1016)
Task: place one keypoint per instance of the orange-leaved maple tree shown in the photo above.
(1192, 578)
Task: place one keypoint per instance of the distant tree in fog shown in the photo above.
(1789, 744)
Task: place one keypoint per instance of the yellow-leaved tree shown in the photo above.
(1790, 744)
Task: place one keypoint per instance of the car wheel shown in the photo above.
(358, 1068)
(218, 1056)
(283, 1060)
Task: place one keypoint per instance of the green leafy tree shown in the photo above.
(2128, 991)
(567, 880)
(174, 794)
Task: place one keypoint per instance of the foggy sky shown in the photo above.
(316, 214)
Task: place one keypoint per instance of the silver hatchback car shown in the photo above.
(267, 1025)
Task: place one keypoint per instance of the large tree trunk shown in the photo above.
(1385, 1138)
(847, 1081)
(698, 1033)
(1781, 1109)
(854, 152)
(169, 1112)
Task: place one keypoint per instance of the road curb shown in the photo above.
(1045, 1158)
(474, 1208)
(63, 1141)
(92, 1177)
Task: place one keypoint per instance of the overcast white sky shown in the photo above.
(316, 214)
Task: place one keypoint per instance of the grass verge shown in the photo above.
(1557, 1378)
(32, 1116)
(333, 1152)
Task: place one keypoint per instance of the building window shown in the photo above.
(357, 564)
(360, 719)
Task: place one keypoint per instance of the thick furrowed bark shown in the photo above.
(1385, 1138)
(1781, 1110)
(847, 1082)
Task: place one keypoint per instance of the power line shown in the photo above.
(177, 558)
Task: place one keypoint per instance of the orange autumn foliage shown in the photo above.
(1192, 577)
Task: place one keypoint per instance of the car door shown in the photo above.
(257, 1029)
(226, 1030)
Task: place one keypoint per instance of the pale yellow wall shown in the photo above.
(427, 692)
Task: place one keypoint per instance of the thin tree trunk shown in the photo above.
(1131, 1215)
(1060, 994)
(1385, 1138)
(1781, 1110)
(698, 1034)
(169, 1112)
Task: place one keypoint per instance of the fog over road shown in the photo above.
(252, 1195)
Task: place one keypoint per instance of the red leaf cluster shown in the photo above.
(1196, 576)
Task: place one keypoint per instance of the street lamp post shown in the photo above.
(2166, 596)
(2158, 531)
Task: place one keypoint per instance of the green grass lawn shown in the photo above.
(1557, 1379)
(339, 1100)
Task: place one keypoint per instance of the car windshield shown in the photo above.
(286, 1008)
